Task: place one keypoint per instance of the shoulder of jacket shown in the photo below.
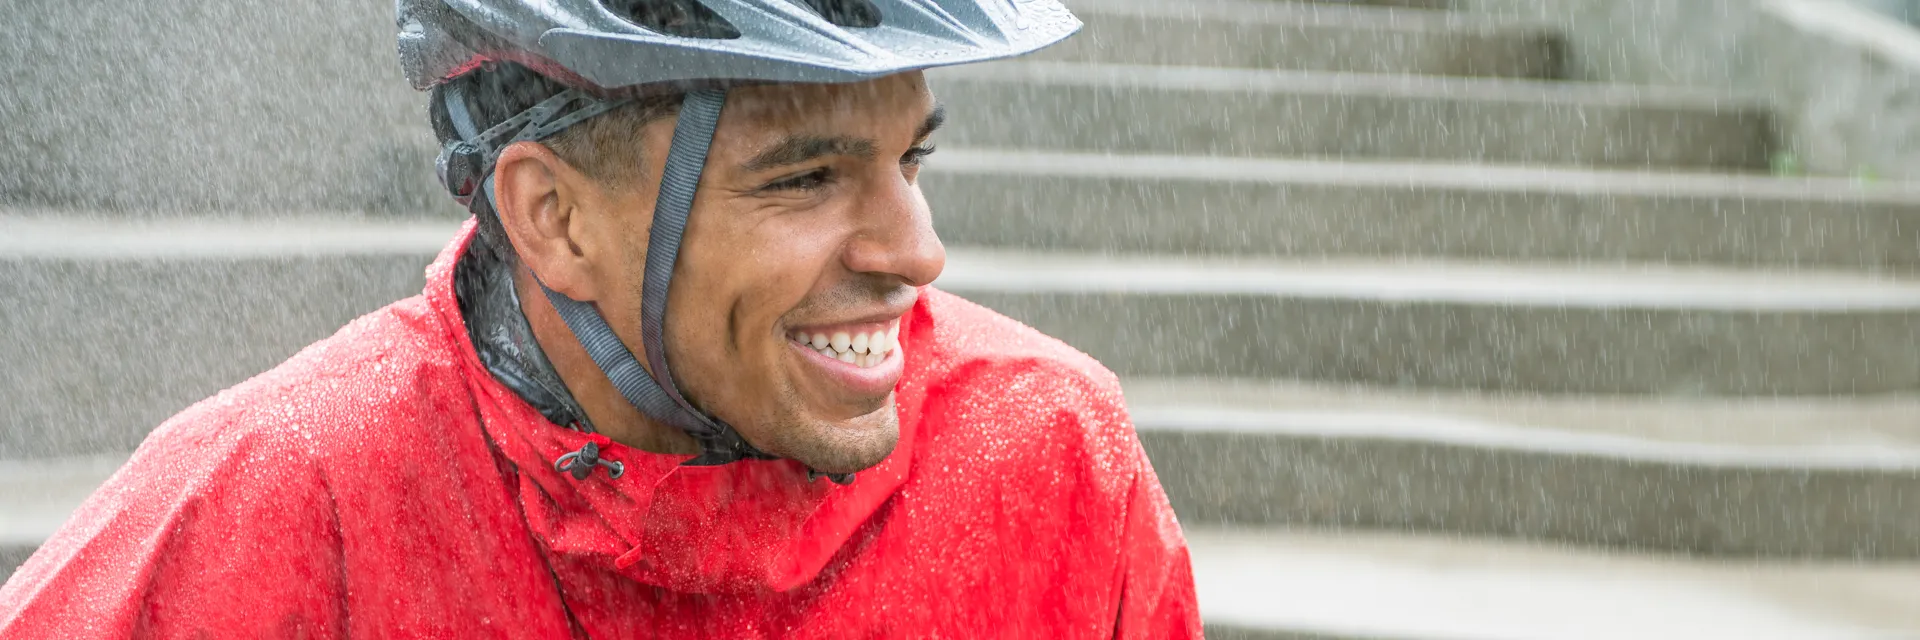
(378, 382)
(967, 335)
(1003, 386)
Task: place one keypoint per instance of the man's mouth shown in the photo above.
(863, 345)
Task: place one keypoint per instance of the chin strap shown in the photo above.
(462, 161)
(657, 395)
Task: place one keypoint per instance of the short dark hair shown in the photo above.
(605, 147)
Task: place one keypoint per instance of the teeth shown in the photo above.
(859, 349)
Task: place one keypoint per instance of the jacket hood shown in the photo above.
(747, 526)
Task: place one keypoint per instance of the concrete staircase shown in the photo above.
(1554, 359)
(1425, 343)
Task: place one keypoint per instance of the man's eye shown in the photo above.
(916, 156)
(808, 181)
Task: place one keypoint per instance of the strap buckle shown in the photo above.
(460, 166)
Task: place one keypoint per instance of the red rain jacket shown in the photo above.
(382, 484)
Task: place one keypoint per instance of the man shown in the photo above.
(683, 376)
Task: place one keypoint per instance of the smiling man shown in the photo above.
(682, 376)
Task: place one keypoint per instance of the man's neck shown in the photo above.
(530, 351)
(609, 411)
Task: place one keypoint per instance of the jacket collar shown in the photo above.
(747, 526)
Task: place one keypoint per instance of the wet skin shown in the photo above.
(808, 220)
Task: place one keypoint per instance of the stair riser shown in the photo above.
(1114, 117)
(11, 557)
(1473, 346)
(138, 340)
(1234, 632)
(1251, 480)
(1410, 4)
(1591, 500)
(1183, 216)
(99, 352)
(103, 351)
(1306, 45)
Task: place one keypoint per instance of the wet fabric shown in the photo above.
(483, 286)
(381, 484)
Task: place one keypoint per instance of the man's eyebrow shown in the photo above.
(798, 149)
(934, 119)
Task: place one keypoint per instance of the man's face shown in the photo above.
(808, 224)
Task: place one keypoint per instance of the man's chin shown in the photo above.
(842, 447)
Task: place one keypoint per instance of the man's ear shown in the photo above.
(538, 198)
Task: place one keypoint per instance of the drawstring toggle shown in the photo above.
(580, 464)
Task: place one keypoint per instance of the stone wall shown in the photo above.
(187, 105)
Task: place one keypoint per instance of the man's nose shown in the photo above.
(896, 234)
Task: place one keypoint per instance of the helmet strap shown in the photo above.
(656, 395)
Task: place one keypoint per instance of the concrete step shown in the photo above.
(1245, 112)
(1273, 585)
(1098, 202)
(1756, 477)
(1400, 5)
(38, 495)
(114, 326)
(1313, 208)
(1319, 37)
(1780, 477)
(1434, 5)
(1519, 327)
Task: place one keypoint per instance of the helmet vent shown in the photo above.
(859, 14)
(684, 18)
